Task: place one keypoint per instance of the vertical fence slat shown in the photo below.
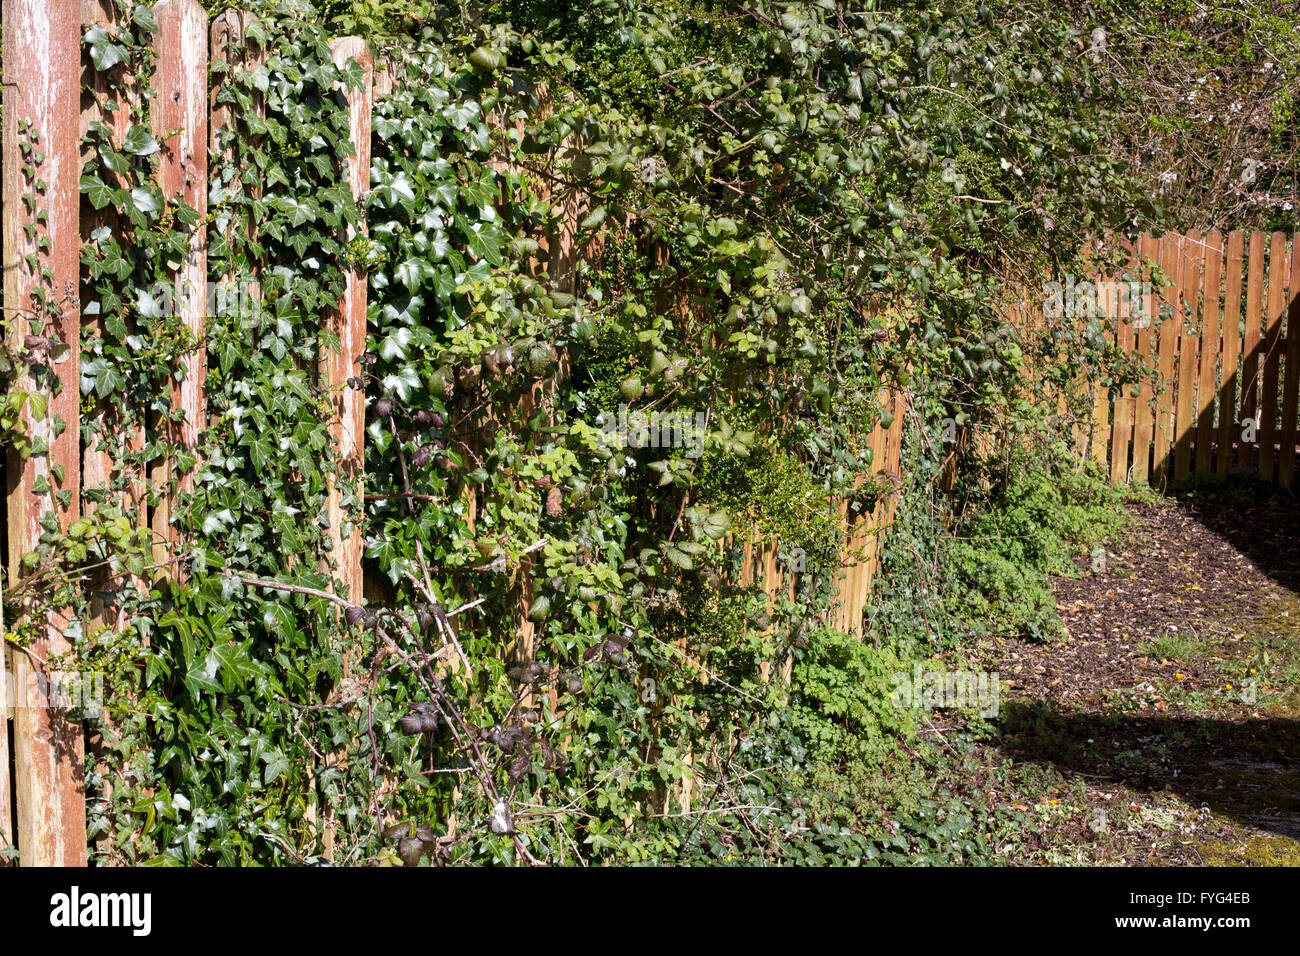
(348, 323)
(1170, 265)
(230, 44)
(1251, 345)
(98, 466)
(42, 61)
(1122, 429)
(1231, 327)
(1145, 326)
(1207, 382)
(179, 116)
(111, 104)
(1278, 267)
(1101, 424)
(1286, 464)
(1187, 320)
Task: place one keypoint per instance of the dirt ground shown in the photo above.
(1164, 729)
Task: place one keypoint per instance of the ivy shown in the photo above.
(750, 219)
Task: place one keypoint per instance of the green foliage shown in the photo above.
(1031, 522)
(840, 699)
(834, 777)
(554, 637)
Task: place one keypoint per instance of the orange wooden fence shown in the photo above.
(44, 118)
(1222, 334)
(42, 60)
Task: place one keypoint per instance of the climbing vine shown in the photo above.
(746, 221)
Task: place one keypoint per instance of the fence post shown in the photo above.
(42, 59)
(348, 323)
(180, 123)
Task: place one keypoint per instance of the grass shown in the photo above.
(1174, 646)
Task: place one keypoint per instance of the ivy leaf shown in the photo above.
(142, 16)
(277, 764)
(139, 142)
(38, 404)
(412, 272)
(460, 114)
(394, 345)
(104, 53)
(96, 190)
(144, 199)
(259, 448)
(114, 161)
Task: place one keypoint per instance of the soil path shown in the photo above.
(1168, 718)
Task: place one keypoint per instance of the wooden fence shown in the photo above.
(1221, 332)
(48, 94)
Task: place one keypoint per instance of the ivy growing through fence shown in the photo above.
(570, 218)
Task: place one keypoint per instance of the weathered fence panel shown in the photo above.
(42, 58)
(180, 124)
(347, 323)
(1229, 376)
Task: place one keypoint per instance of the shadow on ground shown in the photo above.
(1260, 522)
(1247, 770)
